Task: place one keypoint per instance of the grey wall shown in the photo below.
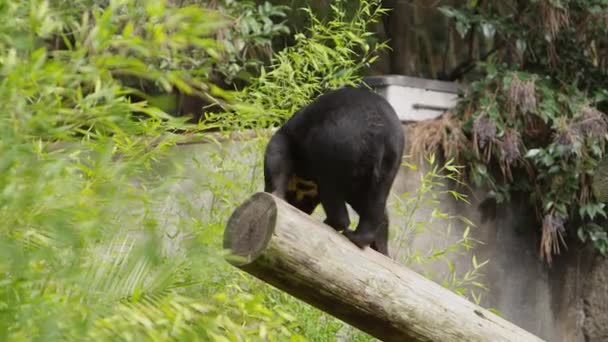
(517, 282)
(567, 301)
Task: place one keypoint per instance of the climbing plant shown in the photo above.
(533, 122)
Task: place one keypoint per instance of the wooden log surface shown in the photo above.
(300, 255)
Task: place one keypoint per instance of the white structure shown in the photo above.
(415, 99)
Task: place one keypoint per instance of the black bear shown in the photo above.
(344, 147)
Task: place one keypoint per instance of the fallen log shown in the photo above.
(300, 255)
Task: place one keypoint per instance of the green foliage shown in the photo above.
(251, 38)
(85, 251)
(421, 216)
(536, 114)
(247, 41)
(109, 230)
(332, 54)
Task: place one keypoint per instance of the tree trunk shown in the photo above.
(281, 245)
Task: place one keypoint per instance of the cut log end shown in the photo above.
(250, 228)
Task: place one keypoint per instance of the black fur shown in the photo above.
(345, 147)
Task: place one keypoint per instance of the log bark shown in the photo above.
(294, 252)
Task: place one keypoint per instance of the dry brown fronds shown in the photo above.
(522, 96)
(426, 136)
(484, 133)
(552, 236)
(510, 147)
(554, 18)
(568, 138)
(484, 130)
(592, 123)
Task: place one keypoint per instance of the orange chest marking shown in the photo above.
(302, 187)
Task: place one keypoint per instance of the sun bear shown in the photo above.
(344, 147)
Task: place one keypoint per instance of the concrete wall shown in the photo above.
(594, 313)
(519, 285)
(559, 304)
(567, 301)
